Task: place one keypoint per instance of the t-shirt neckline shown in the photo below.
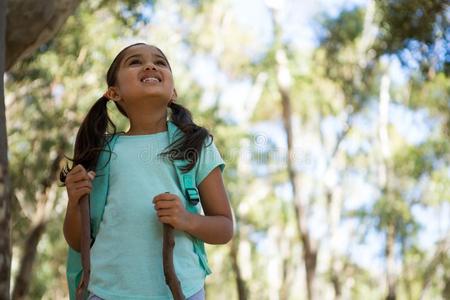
(143, 135)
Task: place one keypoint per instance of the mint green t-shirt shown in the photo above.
(126, 258)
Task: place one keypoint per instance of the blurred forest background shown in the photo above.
(332, 116)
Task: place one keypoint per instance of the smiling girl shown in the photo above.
(126, 260)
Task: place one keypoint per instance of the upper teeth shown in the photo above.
(148, 79)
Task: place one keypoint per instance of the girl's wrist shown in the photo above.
(72, 205)
(191, 222)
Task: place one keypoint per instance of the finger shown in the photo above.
(78, 168)
(164, 197)
(161, 196)
(79, 177)
(73, 172)
(82, 192)
(72, 176)
(91, 175)
(83, 184)
(165, 204)
(81, 167)
(166, 220)
(164, 212)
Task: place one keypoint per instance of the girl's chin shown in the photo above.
(149, 94)
(154, 98)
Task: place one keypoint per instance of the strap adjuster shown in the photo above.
(192, 196)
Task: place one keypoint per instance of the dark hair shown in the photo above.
(97, 127)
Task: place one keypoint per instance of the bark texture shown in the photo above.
(240, 282)
(5, 194)
(45, 204)
(32, 23)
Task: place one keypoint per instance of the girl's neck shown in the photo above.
(147, 125)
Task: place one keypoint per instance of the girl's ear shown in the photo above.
(112, 94)
(174, 95)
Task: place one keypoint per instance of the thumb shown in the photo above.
(91, 175)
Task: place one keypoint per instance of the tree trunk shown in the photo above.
(309, 246)
(390, 263)
(287, 276)
(440, 258)
(284, 80)
(240, 283)
(32, 23)
(5, 184)
(333, 196)
(446, 289)
(333, 219)
(44, 206)
(22, 282)
(384, 182)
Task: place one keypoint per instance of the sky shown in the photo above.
(299, 22)
(298, 17)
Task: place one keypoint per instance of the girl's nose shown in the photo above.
(150, 66)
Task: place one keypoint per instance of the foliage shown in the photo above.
(335, 95)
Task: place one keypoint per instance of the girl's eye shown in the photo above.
(161, 62)
(135, 61)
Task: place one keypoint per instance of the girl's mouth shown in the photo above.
(150, 80)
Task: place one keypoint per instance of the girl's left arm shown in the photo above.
(216, 226)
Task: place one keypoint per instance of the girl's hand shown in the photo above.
(78, 183)
(171, 211)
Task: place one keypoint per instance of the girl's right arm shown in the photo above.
(78, 184)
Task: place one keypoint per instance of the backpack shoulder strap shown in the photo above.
(100, 185)
(97, 201)
(189, 187)
(186, 179)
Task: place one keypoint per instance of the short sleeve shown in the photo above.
(209, 159)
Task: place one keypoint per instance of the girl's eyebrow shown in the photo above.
(160, 56)
(139, 55)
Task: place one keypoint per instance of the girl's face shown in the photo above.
(143, 77)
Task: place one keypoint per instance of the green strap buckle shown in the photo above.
(192, 196)
(190, 190)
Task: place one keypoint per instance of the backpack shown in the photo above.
(97, 202)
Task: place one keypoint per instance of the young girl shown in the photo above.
(142, 190)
